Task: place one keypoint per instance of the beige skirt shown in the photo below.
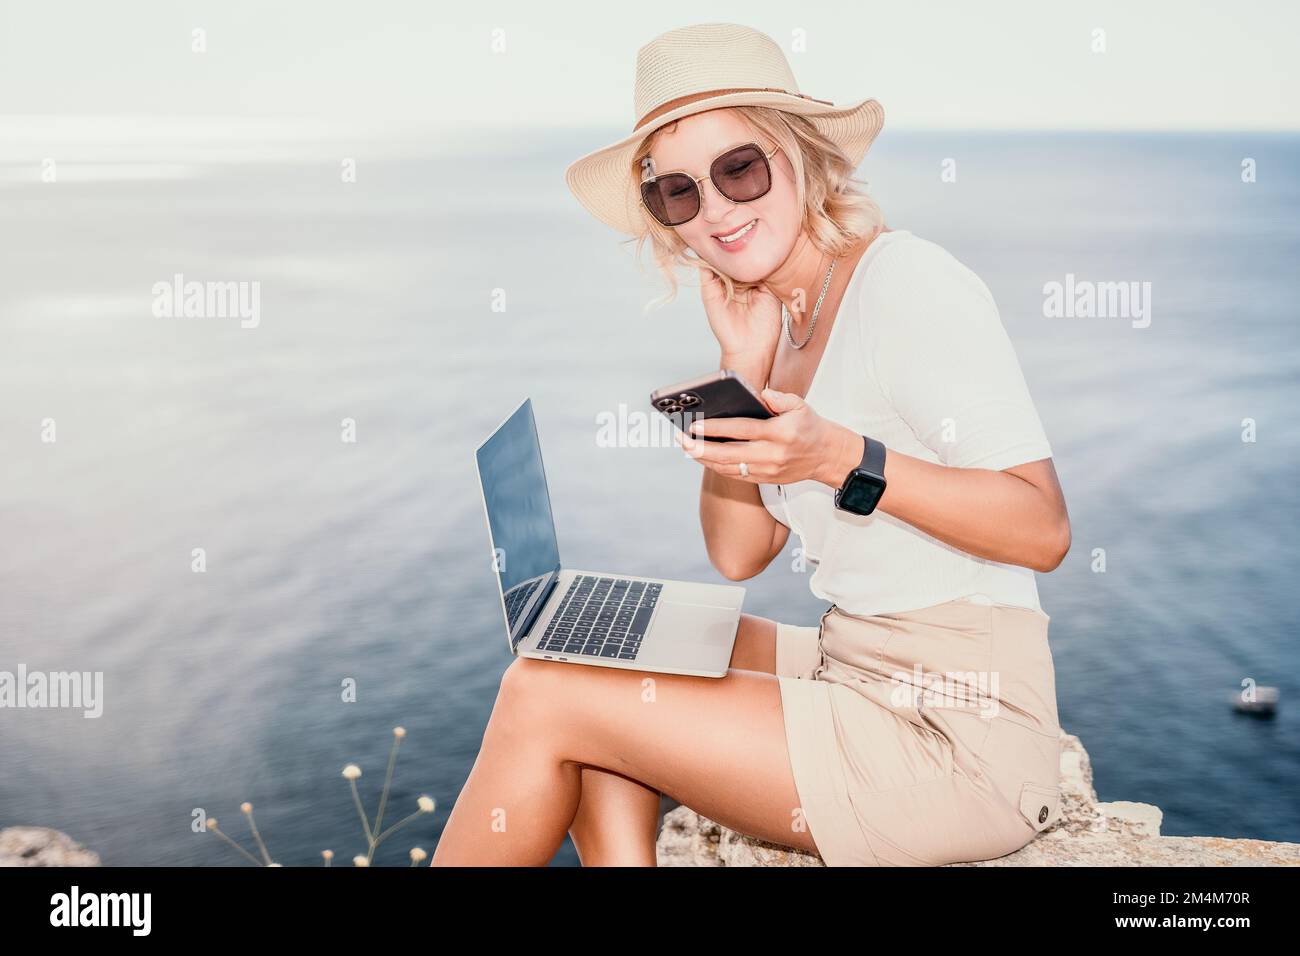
(923, 737)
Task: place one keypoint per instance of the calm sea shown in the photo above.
(331, 561)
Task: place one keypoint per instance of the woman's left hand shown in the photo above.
(797, 444)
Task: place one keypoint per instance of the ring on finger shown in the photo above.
(744, 470)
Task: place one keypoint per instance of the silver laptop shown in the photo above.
(588, 617)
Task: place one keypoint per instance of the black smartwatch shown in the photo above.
(862, 489)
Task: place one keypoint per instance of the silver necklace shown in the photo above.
(812, 325)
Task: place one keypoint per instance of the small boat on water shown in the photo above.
(1260, 700)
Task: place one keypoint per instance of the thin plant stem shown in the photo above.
(258, 837)
(256, 861)
(388, 779)
(365, 824)
(395, 826)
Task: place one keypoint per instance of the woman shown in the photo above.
(917, 724)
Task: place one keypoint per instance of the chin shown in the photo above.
(753, 265)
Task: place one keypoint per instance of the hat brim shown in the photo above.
(602, 180)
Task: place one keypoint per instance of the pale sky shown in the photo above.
(427, 66)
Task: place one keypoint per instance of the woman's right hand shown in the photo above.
(747, 331)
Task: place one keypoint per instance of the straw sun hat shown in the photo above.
(698, 68)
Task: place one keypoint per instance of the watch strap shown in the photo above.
(873, 456)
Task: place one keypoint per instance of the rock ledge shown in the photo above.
(41, 846)
(1089, 833)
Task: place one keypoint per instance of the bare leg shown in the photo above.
(617, 816)
(716, 745)
(755, 648)
(616, 820)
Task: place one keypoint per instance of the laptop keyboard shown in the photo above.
(517, 599)
(602, 617)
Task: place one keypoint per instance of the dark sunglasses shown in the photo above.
(742, 174)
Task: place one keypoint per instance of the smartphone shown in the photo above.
(723, 394)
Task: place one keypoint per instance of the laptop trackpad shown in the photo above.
(695, 624)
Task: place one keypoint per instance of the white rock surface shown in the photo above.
(1089, 833)
(41, 846)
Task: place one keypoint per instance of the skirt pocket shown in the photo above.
(1040, 805)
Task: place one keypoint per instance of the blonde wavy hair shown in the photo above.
(836, 214)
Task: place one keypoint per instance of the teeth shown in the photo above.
(739, 232)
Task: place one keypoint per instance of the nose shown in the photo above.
(713, 205)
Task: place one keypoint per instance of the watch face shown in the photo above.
(861, 493)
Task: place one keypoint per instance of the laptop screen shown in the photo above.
(524, 550)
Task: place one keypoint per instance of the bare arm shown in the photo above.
(1016, 516)
(740, 534)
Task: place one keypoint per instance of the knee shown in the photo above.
(526, 687)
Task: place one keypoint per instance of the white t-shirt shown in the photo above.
(918, 359)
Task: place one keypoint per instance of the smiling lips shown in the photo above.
(737, 240)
